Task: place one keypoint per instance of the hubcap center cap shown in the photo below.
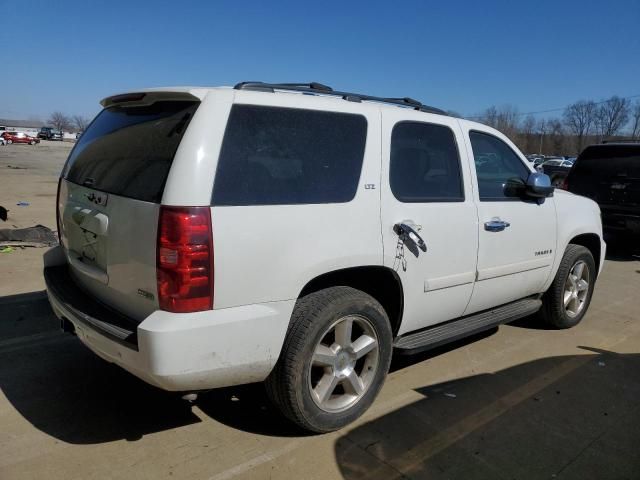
(344, 363)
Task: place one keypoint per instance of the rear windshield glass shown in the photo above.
(277, 156)
(128, 150)
(609, 161)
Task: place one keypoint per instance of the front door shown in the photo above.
(517, 236)
(429, 217)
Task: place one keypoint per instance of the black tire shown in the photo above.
(32, 142)
(288, 385)
(9, 142)
(553, 309)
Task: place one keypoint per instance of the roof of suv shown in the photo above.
(312, 88)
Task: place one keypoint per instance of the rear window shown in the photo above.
(608, 161)
(279, 156)
(128, 150)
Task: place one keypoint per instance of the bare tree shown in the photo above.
(635, 120)
(541, 129)
(612, 115)
(60, 121)
(80, 122)
(580, 117)
(490, 117)
(504, 119)
(556, 134)
(527, 133)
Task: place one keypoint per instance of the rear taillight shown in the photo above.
(185, 259)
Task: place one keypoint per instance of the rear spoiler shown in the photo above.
(147, 98)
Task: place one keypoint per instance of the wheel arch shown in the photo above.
(591, 241)
(382, 283)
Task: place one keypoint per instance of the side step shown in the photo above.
(437, 335)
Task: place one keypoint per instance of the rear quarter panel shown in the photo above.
(268, 253)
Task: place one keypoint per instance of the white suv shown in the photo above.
(295, 234)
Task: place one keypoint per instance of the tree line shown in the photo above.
(580, 124)
(63, 122)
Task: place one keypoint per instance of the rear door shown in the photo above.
(426, 185)
(109, 198)
(517, 236)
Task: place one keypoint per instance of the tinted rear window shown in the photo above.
(277, 156)
(608, 161)
(128, 151)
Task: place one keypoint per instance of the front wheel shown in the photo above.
(9, 142)
(334, 360)
(32, 142)
(566, 302)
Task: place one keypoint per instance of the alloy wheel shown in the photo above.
(344, 363)
(576, 289)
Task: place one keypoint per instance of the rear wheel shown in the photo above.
(334, 360)
(9, 142)
(567, 300)
(32, 142)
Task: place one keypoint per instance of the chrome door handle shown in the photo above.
(496, 225)
(405, 231)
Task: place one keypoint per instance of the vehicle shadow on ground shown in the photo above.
(66, 391)
(558, 417)
(248, 408)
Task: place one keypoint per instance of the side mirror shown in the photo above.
(539, 185)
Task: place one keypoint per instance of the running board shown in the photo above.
(464, 326)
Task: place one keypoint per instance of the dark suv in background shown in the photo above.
(610, 175)
(48, 133)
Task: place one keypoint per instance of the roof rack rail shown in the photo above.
(262, 86)
(321, 89)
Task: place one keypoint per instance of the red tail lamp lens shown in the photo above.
(185, 259)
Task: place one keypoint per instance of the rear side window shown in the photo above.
(277, 156)
(129, 150)
(424, 165)
(500, 171)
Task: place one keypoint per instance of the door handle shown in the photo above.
(405, 231)
(496, 225)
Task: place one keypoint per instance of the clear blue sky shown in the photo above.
(458, 55)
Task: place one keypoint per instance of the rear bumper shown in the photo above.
(181, 352)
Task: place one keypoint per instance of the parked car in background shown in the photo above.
(610, 175)
(19, 137)
(538, 161)
(49, 133)
(557, 169)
